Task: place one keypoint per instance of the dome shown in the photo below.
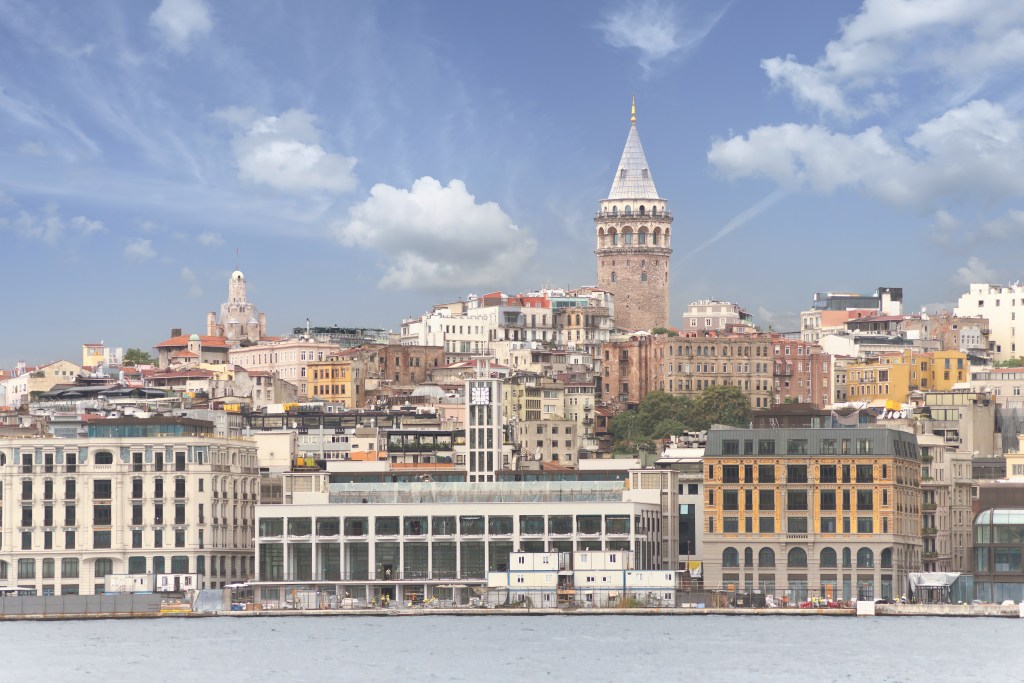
(194, 337)
(237, 275)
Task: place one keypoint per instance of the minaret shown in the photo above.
(634, 231)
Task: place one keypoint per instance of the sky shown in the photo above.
(361, 161)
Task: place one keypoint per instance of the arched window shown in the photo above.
(828, 558)
(846, 558)
(104, 458)
(615, 238)
(614, 277)
(887, 558)
(865, 558)
(643, 277)
(3, 570)
(627, 236)
(641, 236)
(104, 566)
(797, 558)
(748, 557)
(766, 558)
(628, 210)
(654, 211)
(615, 211)
(642, 210)
(730, 557)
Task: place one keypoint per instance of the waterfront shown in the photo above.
(611, 648)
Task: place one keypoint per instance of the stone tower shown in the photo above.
(239, 319)
(634, 239)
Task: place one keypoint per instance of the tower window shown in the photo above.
(641, 210)
(614, 277)
(643, 277)
(628, 210)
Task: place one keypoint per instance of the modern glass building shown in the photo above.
(998, 546)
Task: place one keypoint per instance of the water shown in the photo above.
(520, 649)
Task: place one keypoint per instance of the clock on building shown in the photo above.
(481, 395)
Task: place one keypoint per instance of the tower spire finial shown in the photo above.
(632, 116)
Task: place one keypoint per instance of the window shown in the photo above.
(101, 515)
(846, 500)
(104, 458)
(766, 558)
(796, 525)
(827, 500)
(69, 540)
(730, 474)
(179, 487)
(796, 446)
(766, 474)
(356, 526)
(101, 489)
(865, 474)
(179, 538)
(797, 557)
(766, 525)
(766, 499)
(846, 473)
(69, 488)
(829, 560)
(730, 499)
(864, 447)
(796, 500)
(865, 525)
(26, 569)
(828, 525)
(69, 568)
(766, 446)
(796, 474)
(865, 499)
(101, 539)
(865, 558)
(730, 557)
(826, 474)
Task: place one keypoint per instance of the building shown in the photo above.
(945, 506)
(586, 578)
(286, 359)
(893, 376)
(829, 512)
(95, 356)
(830, 311)
(27, 382)
(954, 333)
(634, 242)
(424, 539)
(136, 496)
(191, 349)
(708, 315)
(485, 427)
(999, 305)
(239, 319)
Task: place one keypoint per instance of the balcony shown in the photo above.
(928, 507)
(929, 531)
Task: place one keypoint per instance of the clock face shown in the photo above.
(481, 395)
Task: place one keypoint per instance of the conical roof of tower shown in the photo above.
(633, 178)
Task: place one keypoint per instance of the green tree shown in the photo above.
(661, 415)
(1012, 363)
(724, 405)
(137, 357)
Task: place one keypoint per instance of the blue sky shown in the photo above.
(368, 159)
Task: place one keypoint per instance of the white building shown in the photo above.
(135, 497)
(428, 539)
(1000, 305)
(485, 425)
(285, 359)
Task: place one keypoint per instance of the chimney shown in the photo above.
(175, 332)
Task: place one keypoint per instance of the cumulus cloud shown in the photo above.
(968, 42)
(192, 288)
(48, 226)
(210, 239)
(139, 250)
(973, 152)
(975, 271)
(284, 152)
(944, 226)
(437, 236)
(178, 22)
(655, 29)
(1006, 227)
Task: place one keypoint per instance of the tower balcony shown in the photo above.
(646, 250)
(608, 216)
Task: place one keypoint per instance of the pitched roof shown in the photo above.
(633, 178)
(205, 341)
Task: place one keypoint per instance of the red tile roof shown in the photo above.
(182, 341)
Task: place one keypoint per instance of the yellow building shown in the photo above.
(833, 513)
(892, 376)
(333, 380)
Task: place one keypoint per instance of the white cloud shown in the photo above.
(437, 236)
(139, 250)
(655, 28)
(210, 239)
(192, 288)
(48, 226)
(1006, 227)
(974, 272)
(943, 227)
(150, 226)
(284, 152)
(179, 21)
(86, 226)
(966, 42)
(972, 152)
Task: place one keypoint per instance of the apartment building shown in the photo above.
(286, 359)
(833, 512)
(893, 376)
(1000, 306)
(155, 496)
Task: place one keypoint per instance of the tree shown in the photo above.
(137, 357)
(1012, 363)
(661, 415)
